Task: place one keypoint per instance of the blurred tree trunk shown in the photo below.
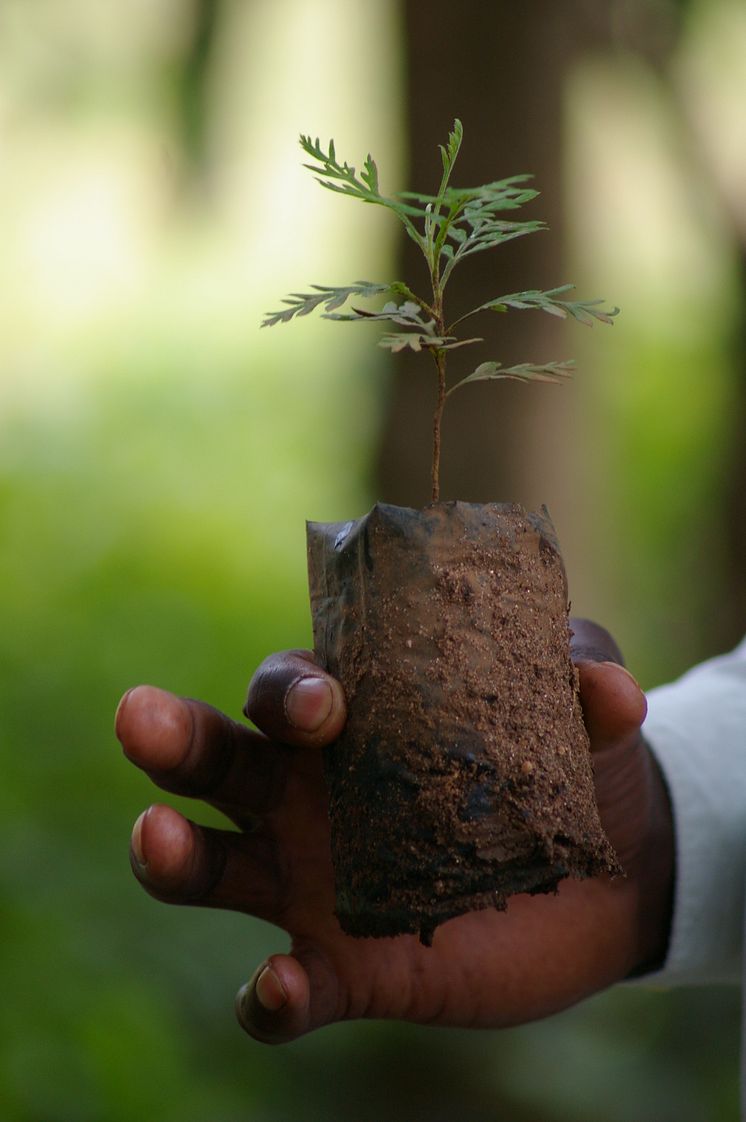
(500, 70)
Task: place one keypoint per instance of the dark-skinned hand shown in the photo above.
(485, 969)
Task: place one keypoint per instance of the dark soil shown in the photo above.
(463, 775)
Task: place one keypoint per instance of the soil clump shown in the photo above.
(463, 774)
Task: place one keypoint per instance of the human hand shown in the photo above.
(485, 969)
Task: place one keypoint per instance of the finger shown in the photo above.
(614, 709)
(191, 749)
(294, 701)
(591, 643)
(281, 1002)
(614, 706)
(179, 862)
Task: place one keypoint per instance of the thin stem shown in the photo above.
(400, 289)
(440, 361)
(438, 247)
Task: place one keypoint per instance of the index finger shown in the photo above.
(189, 748)
(293, 700)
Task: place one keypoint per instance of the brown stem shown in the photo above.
(440, 361)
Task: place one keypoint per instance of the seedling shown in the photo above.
(448, 228)
(463, 773)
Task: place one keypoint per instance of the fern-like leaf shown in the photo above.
(343, 178)
(417, 341)
(302, 303)
(523, 372)
(408, 314)
(584, 311)
(451, 150)
(397, 341)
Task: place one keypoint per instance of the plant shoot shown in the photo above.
(448, 228)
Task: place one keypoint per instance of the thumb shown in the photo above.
(614, 706)
(625, 779)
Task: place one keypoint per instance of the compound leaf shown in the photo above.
(302, 303)
(584, 311)
(523, 372)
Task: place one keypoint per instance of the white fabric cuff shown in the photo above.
(696, 728)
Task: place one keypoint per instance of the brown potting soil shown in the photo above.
(463, 774)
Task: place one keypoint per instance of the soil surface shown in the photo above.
(463, 775)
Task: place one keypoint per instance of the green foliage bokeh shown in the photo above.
(158, 457)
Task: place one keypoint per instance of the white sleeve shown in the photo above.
(696, 728)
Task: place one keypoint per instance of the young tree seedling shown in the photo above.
(448, 228)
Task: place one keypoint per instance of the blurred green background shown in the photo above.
(158, 457)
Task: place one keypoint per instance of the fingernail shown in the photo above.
(136, 842)
(270, 993)
(120, 710)
(308, 703)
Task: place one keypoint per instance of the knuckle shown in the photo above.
(270, 683)
(592, 643)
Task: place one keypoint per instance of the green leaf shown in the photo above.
(342, 178)
(436, 224)
(524, 372)
(584, 311)
(397, 341)
(412, 340)
(407, 314)
(451, 151)
(370, 174)
(502, 194)
(458, 234)
(302, 303)
(452, 342)
(493, 232)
